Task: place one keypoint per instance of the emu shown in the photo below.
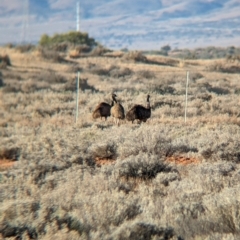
(103, 109)
(117, 110)
(138, 112)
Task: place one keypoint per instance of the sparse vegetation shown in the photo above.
(162, 179)
(4, 61)
(51, 55)
(135, 56)
(25, 48)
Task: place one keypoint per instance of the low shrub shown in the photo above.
(142, 231)
(9, 230)
(51, 55)
(11, 89)
(195, 76)
(225, 68)
(112, 71)
(146, 74)
(99, 71)
(103, 150)
(75, 68)
(51, 77)
(204, 97)
(9, 45)
(83, 48)
(10, 153)
(80, 50)
(219, 90)
(5, 61)
(12, 76)
(98, 51)
(33, 86)
(117, 72)
(72, 37)
(135, 56)
(1, 83)
(60, 47)
(163, 89)
(83, 85)
(142, 166)
(74, 54)
(25, 48)
(237, 91)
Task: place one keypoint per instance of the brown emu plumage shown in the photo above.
(139, 112)
(117, 110)
(102, 110)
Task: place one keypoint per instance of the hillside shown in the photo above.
(163, 179)
(136, 24)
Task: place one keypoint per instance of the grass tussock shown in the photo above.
(1, 81)
(50, 55)
(225, 67)
(98, 51)
(10, 153)
(71, 85)
(91, 179)
(112, 71)
(135, 56)
(4, 61)
(25, 48)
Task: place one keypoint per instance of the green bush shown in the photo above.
(75, 38)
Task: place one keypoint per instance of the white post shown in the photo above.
(25, 22)
(78, 18)
(186, 96)
(76, 115)
(27, 27)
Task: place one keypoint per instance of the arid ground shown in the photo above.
(91, 179)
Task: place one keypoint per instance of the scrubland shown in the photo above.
(163, 179)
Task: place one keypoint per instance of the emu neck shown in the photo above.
(114, 100)
(148, 104)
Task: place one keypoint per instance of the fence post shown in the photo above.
(76, 115)
(185, 118)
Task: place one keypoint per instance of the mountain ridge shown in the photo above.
(137, 24)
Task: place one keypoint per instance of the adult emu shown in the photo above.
(117, 110)
(139, 112)
(103, 109)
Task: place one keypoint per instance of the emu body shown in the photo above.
(139, 112)
(117, 111)
(103, 109)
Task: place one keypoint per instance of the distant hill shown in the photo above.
(136, 24)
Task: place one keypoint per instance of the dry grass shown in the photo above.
(163, 179)
(4, 61)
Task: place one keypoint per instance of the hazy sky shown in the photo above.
(147, 24)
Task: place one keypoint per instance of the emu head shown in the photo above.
(114, 97)
(148, 97)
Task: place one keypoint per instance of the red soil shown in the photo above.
(6, 163)
(104, 161)
(173, 159)
(183, 160)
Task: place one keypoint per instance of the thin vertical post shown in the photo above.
(76, 115)
(185, 118)
(25, 22)
(78, 17)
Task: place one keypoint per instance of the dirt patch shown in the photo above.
(104, 161)
(183, 160)
(6, 163)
